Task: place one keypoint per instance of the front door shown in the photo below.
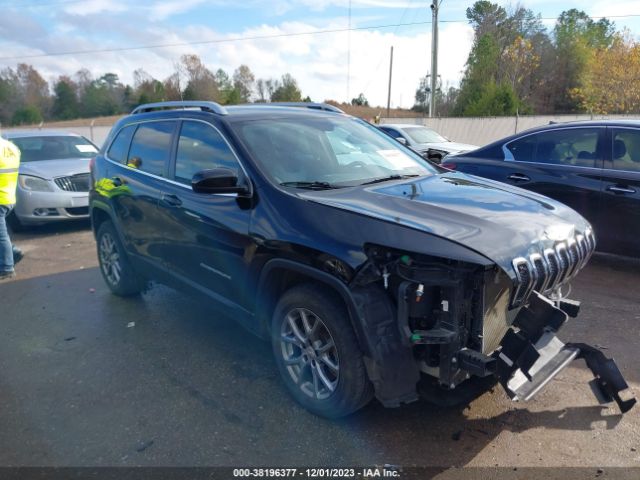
(208, 243)
(621, 194)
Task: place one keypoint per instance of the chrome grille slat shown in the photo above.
(547, 271)
(74, 183)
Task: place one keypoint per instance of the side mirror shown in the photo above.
(217, 180)
(402, 140)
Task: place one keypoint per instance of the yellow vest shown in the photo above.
(9, 163)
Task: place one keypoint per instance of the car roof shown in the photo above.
(583, 123)
(37, 133)
(236, 113)
(404, 125)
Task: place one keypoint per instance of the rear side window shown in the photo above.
(576, 147)
(626, 150)
(120, 146)
(201, 147)
(151, 147)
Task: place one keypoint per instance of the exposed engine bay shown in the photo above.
(453, 321)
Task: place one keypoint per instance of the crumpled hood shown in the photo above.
(50, 169)
(494, 219)
(449, 147)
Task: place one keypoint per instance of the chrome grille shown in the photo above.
(74, 183)
(555, 266)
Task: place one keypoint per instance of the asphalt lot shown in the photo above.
(184, 386)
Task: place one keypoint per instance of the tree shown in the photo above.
(28, 115)
(171, 86)
(611, 80)
(201, 82)
(33, 89)
(146, 88)
(287, 91)
(65, 99)
(494, 100)
(9, 97)
(360, 101)
(261, 90)
(224, 86)
(576, 35)
(243, 82)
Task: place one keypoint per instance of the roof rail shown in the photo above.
(315, 106)
(202, 105)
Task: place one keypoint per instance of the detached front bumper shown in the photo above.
(531, 355)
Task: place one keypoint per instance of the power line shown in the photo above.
(257, 37)
(206, 42)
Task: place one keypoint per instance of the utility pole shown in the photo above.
(389, 94)
(435, 5)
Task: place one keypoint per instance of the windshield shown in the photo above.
(327, 152)
(33, 149)
(424, 135)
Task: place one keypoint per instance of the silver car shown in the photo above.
(428, 143)
(54, 180)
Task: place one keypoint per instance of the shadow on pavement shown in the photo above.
(54, 228)
(165, 379)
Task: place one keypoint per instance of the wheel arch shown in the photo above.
(278, 275)
(99, 215)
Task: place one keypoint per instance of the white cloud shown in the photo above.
(318, 62)
(163, 10)
(90, 7)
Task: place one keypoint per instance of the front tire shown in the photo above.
(317, 353)
(115, 266)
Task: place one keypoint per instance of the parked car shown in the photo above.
(592, 166)
(369, 269)
(425, 141)
(53, 183)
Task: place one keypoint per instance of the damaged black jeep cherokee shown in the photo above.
(372, 272)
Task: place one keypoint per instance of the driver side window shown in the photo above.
(201, 147)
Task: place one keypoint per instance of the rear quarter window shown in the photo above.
(120, 145)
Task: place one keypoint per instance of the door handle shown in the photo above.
(170, 200)
(518, 177)
(117, 181)
(618, 189)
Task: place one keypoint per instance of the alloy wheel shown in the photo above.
(309, 353)
(110, 259)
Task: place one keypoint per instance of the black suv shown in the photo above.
(372, 272)
(591, 166)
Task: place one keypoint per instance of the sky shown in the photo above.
(337, 64)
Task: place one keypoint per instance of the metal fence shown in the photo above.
(484, 130)
(473, 130)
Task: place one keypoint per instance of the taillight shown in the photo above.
(450, 166)
(92, 163)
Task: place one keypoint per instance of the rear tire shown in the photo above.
(317, 352)
(115, 267)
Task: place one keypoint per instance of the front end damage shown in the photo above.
(452, 321)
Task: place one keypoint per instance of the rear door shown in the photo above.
(621, 194)
(134, 180)
(564, 164)
(207, 240)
